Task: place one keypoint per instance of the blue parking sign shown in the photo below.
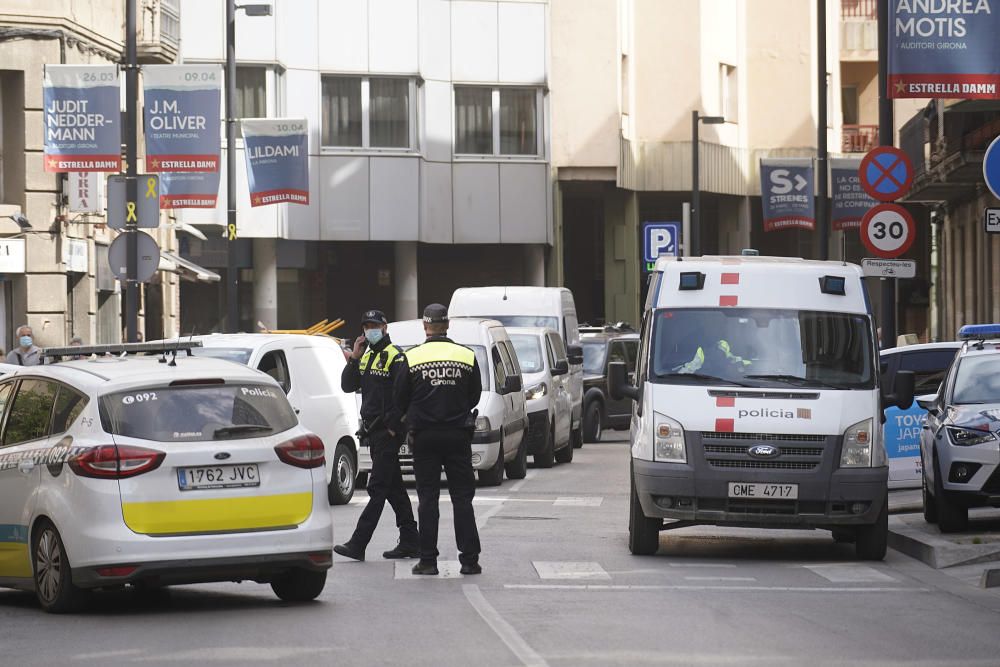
(658, 239)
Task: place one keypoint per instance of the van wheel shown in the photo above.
(565, 455)
(952, 517)
(643, 532)
(53, 574)
(546, 456)
(299, 585)
(341, 488)
(873, 540)
(576, 436)
(493, 476)
(593, 421)
(518, 468)
(930, 507)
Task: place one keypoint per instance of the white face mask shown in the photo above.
(373, 336)
(26, 341)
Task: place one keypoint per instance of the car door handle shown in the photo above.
(26, 467)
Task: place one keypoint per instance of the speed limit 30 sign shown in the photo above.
(888, 230)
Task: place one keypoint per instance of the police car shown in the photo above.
(960, 442)
(156, 470)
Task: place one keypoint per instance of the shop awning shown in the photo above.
(187, 269)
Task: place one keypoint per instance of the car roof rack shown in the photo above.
(156, 347)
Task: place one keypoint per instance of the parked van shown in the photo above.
(498, 443)
(551, 307)
(308, 368)
(757, 401)
(545, 372)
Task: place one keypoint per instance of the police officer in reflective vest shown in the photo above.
(439, 393)
(372, 367)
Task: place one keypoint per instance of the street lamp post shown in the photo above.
(696, 118)
(232, 272)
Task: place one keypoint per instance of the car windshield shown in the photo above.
(197, 412)
(240, 355)
(484, 367)
(529, 352)
(540, 321)
(978, 380)
(762, 348)
(594, 353)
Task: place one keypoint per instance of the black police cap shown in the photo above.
(374, 317)
(435, 314)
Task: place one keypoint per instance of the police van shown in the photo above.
(757, 401)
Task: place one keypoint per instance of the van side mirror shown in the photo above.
(902, 392)
(574, 353)
(561, 367)
(512, 384)
(618, 385)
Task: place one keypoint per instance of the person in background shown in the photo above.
(27, 353)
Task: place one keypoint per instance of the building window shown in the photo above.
(497, 121)
(363, 112)
(251, 94)
(849, 104)
(729, 107)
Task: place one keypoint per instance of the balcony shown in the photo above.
(859, 30)
(159, 28)
(858, 138)
(859, 9)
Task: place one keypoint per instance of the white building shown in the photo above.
(429, 154)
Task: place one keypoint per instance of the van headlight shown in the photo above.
(482, 425)
(859, 446)
(536, 392)
(668, 440)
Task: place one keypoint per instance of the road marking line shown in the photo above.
(844, 573)
(504, 630)
(570, 570)
(483, 517)
(578, 501)
(720, 578)
(516, 486)
(447, 569)
(720, 565)
(692, 587)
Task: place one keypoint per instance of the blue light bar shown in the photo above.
(979, 332)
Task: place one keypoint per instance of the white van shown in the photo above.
(308, 368)
(498, 443)
(551, 307)
(757, 401)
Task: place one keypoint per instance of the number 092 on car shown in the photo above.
(765, 491)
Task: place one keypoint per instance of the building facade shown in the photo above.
(429, 155)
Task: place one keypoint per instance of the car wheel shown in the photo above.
(299, 585)
(565, 455)
(952, 517)
(493, 476)
(593, 422)
(643, 532)
(518, 468)
(843, 535)
(930, 507)
(873, 540)
(53, 574)
(545, 457)
(343, 478)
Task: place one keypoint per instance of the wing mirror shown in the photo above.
(561, 367)
(902, 392)
(574, 353)
(618, 384)
(512, 384)
(928, 402)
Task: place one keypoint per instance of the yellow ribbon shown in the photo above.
(232, 232)
(150, 187)
(130, 216)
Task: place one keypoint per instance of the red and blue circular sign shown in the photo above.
(886, 173)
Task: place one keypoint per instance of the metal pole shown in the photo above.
(694, 249)
(822, 221)
(131, 157)
(686, 229)
(885, 138)
(232, 272)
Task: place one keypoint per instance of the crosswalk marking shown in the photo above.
(578, 501)
(720, 578)
(850, 573)
(570, 570)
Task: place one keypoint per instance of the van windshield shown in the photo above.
(762, 348)
(527, 321)
(529, 352)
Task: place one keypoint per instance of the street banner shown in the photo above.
(182, 119)
(189, 190)
(786, 189)
(277, 156)
(850, 201)
(80, 115)
(944, 48)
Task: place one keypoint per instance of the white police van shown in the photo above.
(757, 401)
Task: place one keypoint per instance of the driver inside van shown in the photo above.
(715, 359)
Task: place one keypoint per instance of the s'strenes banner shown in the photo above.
(786, 189)
(277, 155)
(182, 117)
(81, 118)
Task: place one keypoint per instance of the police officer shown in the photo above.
(441, 387)
(372, 366)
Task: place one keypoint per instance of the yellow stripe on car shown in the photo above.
(15, 560)
(209, 515)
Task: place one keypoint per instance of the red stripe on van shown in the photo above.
(730, 279)
(725, 401)
(725, 425)
(728, 300)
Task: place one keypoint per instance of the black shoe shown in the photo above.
(402, 551)
(349, 550)
(471, 568)
(425, 567)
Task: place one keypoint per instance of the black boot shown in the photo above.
(348, 550)
(425, 567)
(402, 551)
(471, 568)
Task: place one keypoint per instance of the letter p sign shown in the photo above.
(660, 238)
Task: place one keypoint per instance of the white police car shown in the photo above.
(960, 442)
(152, 471)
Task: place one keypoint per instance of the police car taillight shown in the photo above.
(979, 332)
(116, 461)
(306, 451)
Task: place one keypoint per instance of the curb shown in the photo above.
(938, 552)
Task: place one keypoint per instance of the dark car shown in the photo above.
(602, 345)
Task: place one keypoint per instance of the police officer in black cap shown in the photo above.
(372, 367)
(438, 393)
